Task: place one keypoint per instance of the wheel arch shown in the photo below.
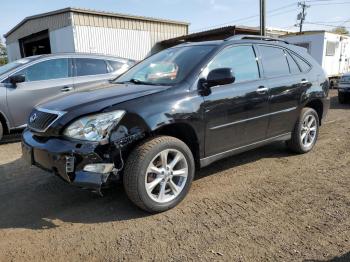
(4, 123)
(184, 132)
(317, 105)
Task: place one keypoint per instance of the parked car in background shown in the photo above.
(180, 109)
(344, 88)
(28, 81)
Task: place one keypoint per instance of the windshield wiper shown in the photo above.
(136, 82)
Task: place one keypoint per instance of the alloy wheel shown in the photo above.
(166, 175)
(308, 130)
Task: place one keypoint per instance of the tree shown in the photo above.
(3, 53)
(340, 30)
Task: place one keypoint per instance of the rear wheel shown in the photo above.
(305, 132)
(158, 174)
(341, 98)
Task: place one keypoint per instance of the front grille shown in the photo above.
(40, 120)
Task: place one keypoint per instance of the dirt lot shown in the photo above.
(267, 204)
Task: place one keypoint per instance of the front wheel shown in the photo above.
(158, 174)
(305, 133)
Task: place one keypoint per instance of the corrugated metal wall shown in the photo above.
(126, 37)
(127, 43)
(51, 22)
(84, 19)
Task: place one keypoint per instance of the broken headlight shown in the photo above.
(94, 127)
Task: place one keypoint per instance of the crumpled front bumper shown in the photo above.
(65, 158)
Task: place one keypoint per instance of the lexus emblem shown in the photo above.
(33, 117)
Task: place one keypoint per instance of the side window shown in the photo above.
(88, 66)
(115, 65)
(302, 64)
(294, 68)
(274, 61)
(46, 70)
(242, 61)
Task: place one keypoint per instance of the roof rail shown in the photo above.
(256, 37)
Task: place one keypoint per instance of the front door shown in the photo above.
(43, 81)
(236, 114)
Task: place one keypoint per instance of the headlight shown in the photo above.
(94, 127)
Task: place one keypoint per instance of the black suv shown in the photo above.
(179, 110)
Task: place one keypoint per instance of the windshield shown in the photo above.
(168, 67)
(13, 65)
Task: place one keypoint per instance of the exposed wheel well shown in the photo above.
(185, 133)
(317, 105)
(4, 124)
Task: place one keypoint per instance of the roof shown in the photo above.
(89, 55)
(94, 12)
(213, 34)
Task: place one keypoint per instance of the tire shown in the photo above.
(1, 131)
(303, 138)
(341, 98)
(171, 185)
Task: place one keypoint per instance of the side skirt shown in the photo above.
(210, 159)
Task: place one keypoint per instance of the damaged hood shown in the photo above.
(98, 98)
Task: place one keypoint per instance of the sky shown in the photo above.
(202, 14)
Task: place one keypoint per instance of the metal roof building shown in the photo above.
(89, 31)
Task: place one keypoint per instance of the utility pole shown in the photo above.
(302, 14)
(262, 18)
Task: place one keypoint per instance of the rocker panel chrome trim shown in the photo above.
(210, 159)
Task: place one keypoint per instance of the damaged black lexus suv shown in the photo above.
(178, 110)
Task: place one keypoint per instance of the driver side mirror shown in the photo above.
(15, 79)
(220, 76)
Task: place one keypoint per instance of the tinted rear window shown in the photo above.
(302, 64)
(274, 61)
(88, 66)
(294, 68)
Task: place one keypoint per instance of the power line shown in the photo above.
(332, 3)
(311, 23)
(245, 18)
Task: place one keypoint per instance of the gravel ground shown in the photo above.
(264, 205)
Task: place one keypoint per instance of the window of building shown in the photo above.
(330, 48)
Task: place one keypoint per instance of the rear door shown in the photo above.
(91, 72)
(286, 86)
(43, 80)
(236, 114)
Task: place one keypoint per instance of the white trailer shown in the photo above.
(331, 50)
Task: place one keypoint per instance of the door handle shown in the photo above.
(262, 90)
(66, 89)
